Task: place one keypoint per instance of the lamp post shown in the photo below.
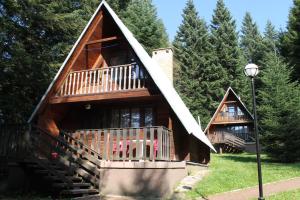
(251, 70)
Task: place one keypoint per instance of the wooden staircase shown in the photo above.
(227, 142)
(71, 168)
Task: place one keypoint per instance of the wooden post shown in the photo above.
(124, 143)
(151, 143)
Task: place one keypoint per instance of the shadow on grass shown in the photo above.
(248, 158)
(251, 158)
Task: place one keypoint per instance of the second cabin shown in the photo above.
(231, 127)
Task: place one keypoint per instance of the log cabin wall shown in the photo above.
(49, 118)
(75, 115)
(199, 152)
(187, 147)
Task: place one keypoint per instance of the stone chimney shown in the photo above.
(164, 57)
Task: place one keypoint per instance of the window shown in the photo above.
(132, 117)
(125, 118)
(137, 72)
(231, 109)
(135, 118)
(149, 120)
(115, 118)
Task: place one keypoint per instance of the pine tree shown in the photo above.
(279, 110)
(271, 38)
(119, 6)
(226, 48)
(141, 18)
(198, 82)
(35, 38)
(251, 41)
(291, 40)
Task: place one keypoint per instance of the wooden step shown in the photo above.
(41, 171)
(89, 197)
(45, 171)
(73, 185)
(71, 178)
(79, 191)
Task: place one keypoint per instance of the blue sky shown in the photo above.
(261, 10)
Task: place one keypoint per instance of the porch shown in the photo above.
(125, 144)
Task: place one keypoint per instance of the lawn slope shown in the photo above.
(234, 171)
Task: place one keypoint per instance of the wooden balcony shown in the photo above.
(116, 144)
(231, 118)
(111, 82)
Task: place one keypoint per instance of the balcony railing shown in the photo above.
(227, 117)
(109, 79)
(146, 143)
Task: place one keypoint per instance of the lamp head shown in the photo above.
(251, 70)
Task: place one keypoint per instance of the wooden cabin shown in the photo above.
(231, 127)
(114, 110)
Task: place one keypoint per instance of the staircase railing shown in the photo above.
(75, 156)
(226, 138)
(13, 141)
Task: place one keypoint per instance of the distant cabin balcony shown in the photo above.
(110, 80)
(227, 117)
(115, 144)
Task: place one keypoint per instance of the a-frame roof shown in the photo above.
(155, 72)
(228, 92)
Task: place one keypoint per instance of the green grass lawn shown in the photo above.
(290, 195)
(235, 171)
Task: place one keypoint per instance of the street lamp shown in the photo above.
(251, 70)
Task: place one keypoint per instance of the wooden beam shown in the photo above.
(104, 96)
(98, 62)
(230, 102)
(102, 40)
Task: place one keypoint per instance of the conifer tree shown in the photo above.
(251, 41)
(291, 40)
(271, 38)
(198, 82)
(279, 110)
(141, 19)
(35, 38)
(225, 43)
(227, 51)
(119, 6)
